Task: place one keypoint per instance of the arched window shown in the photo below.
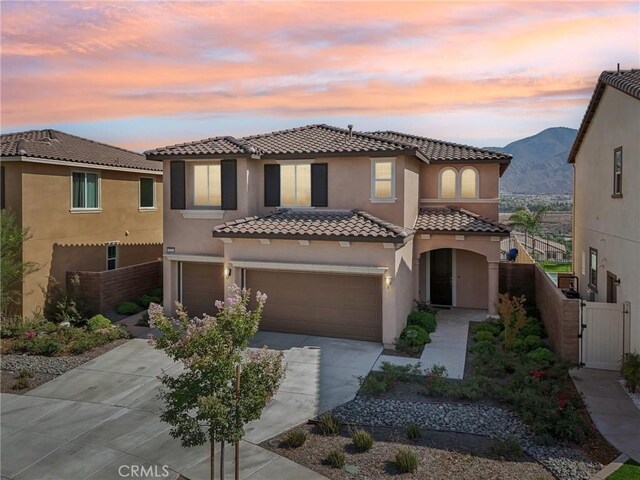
(469, 183)
(448, 183)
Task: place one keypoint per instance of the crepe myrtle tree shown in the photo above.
(224, 384)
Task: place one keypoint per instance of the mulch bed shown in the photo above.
(441, 455)
(7, 377)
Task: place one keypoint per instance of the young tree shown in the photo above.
(527, 220)
(13, 269)
(204, 402)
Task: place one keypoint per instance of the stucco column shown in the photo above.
(415, 273)
(169, 284)
(235, 277)
(493, 286)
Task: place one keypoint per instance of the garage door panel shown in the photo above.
(347, 306)
(202, 285)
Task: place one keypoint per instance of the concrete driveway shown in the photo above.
(100, 419)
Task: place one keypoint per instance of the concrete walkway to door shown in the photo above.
(102, 417)
(448, 345)
(611, 409)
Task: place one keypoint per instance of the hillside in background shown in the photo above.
(539, 163)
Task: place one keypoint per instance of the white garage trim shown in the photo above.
(194, 258)
(310, 267)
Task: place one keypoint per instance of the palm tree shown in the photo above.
(530, 222)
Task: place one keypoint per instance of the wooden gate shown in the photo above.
(603, 336)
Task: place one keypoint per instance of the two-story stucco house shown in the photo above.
(88, 206)
(343, 230)
(606, 213)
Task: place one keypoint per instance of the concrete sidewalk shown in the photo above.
(611, 409)
(448, 345)
(103, 415)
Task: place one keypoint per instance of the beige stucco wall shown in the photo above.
(610, 225)
(46, 201)
(489, 180)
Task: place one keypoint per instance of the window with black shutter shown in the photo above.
(178, 197)
(319, 185)
(272, 185)
(229, 173)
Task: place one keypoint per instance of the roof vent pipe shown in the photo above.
(350, 127)
(618, 69)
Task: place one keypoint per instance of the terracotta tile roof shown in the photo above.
(310, 140)
(626, 81)
(456, 220)
(56, 145)
(438, 150)
(345, 225)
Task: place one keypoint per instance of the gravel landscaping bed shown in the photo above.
(441, 456)
(564, 462)
(46, 368)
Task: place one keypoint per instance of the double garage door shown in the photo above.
(345, 306)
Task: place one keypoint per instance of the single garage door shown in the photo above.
(346, 306)
(202, 285)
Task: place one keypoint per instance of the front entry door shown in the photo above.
(441, 276)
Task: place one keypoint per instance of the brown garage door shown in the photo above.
(347, 306)
(202, 285)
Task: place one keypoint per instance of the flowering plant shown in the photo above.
(539, 374)
(202, 402)
(30, 334)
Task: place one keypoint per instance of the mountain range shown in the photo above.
(539, 163)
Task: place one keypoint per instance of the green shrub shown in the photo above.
(406, 460)
(423, 319)
(533, 326)
(542, 356)
(20, 383)
(335, 459)
(488, 326)
(630, 370)
(412, 339)
(412, 431)
(295, 438)
(80, 341)
(399, 372)
(156, 292)
(128, 308)
(24, 373)
(98, 322)
(483, 348)
(145, 300)
(17, 326)
(362, 440)
(46, 345)
(329, 424)
(528, 344)
(484, 336)
(506, 448)
(373, 384)
(426, 307)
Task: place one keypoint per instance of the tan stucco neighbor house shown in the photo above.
(343, 230)
(88, 206)
(606, 212)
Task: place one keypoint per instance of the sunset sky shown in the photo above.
(147, 74)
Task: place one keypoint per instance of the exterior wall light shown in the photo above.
(227, 271)
(387, 279)
(171, 249)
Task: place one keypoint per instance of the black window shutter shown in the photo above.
(319, 185)
(178, 196)
(229, 174)
(272, 185)
(2, 187)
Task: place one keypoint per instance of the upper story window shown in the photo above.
(147, 193)
(448, 181)
(617, 173)
(593, 269)
(207, 185)
(85, 191)
(462, 184)
(295, 185)
(383, 173)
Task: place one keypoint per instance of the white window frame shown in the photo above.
(296, 164)
(459, 182)
(155, 205)
(109, 245)
(392, 198)
(97, 209)
(192, 185)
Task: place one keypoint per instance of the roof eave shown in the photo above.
(462, 232)
(199, 156)
(330, 238)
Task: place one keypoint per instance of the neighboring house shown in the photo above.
(606, 212)
(540, 248)
(88, 206)
(343, 230)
